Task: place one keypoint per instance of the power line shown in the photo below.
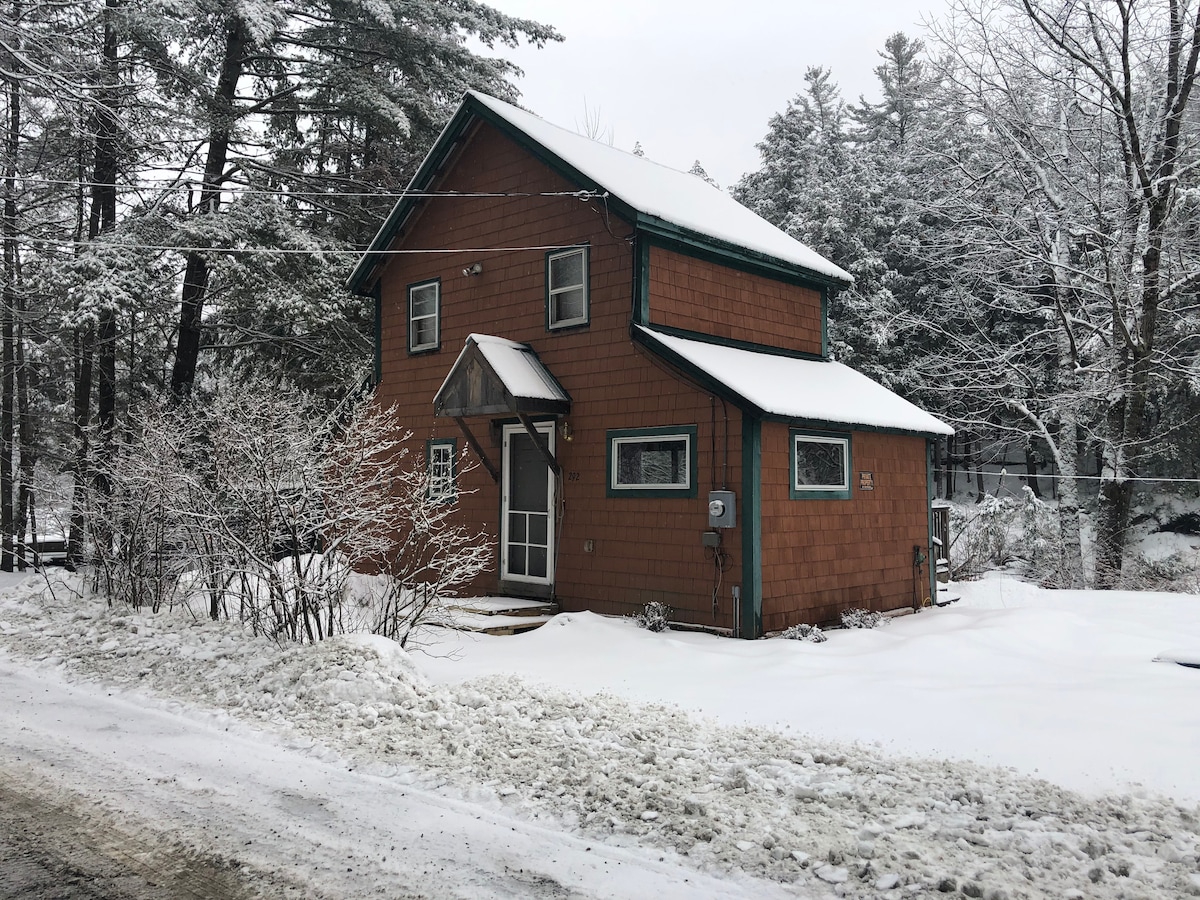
(175, 184)
(104, 245)
(1023, 475)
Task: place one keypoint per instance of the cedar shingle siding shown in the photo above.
(818, 557)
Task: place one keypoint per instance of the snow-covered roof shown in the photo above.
(661, 199)
(653, 189)
(512, 379)
(812, 390)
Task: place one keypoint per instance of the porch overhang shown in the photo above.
(494, 376)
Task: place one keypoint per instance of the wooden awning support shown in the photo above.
(540, 442)
(478, 448)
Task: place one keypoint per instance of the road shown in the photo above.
(57, 847)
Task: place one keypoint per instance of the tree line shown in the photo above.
(185, 186)
(1020, 212)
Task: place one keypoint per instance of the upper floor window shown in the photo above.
(820, 466)
(567, 287)
(424, 316)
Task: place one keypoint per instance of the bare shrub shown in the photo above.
(266, 507)
(802, 632)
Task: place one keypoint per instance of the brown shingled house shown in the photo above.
(640, 366)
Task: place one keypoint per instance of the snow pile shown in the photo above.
(839, 818)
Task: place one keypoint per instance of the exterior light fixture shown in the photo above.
(473, 269)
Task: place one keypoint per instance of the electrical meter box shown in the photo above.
(721, 509)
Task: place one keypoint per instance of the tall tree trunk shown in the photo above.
(196, 272)
(103, 219)
(8, 358)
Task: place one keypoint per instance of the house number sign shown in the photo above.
(866, 481)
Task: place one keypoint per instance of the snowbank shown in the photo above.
(797, 811)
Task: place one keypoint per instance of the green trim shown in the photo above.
(693, 372)
(437, 319)
(377, 337)
(735, 344)
(472, 110)
(641, 281)
(808, 493)
(682, 240)
(825, 323)
(751, 611)
(429, 445)
(930, 554)
(666, 431)
(587, 287)
(714, 386)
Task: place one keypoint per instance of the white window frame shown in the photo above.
(436, 316)
(843, 442)
(441, 458)
(552, 291)
(650, 436)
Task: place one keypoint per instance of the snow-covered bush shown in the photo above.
(270, 504)
(1175, 572)
(1041, 543)
(984, 536)
(863, 618)
(655, 616)
(802, 632)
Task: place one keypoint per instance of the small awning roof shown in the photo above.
(495, 376)
(803, 390)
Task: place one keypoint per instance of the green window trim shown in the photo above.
(616, 437)
(553, 292)
(427, 346)
(798, 437)
(441, 467)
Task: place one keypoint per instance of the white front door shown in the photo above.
(527, 508)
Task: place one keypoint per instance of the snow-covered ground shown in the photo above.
(593, 759)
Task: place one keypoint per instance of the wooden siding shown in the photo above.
(698, 295)
(643, 548)
(824, 556)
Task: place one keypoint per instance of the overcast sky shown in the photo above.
(698, 79)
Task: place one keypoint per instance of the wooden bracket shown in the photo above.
(478, 448)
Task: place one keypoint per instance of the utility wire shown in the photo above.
(104, 245)
(193, 186)
(1023, 475)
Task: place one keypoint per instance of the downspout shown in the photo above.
(931, 555)
(750, 609)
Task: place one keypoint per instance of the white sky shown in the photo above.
(696, 79)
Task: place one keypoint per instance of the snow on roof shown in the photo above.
(810, 389)
(676, 197)
(518, 367)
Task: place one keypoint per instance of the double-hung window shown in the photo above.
(820, 466)
(440, 461)
(567, 287)
(424, 316)
(652, 462)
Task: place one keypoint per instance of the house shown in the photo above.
(639, 367)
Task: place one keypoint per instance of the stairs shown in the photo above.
(499, 615)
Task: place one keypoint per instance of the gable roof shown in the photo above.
(494, 376)
(807, 391)
(657, 199)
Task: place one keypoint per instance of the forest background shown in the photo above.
(187, 183)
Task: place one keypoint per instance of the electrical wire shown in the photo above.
(192, 186)
(1024, 475)
(104, 245)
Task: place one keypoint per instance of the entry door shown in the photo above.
(527, 508)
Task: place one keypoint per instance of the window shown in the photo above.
(424, 316)
(820, 466)
(652, 462)
(439, 459)
(567, 287)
